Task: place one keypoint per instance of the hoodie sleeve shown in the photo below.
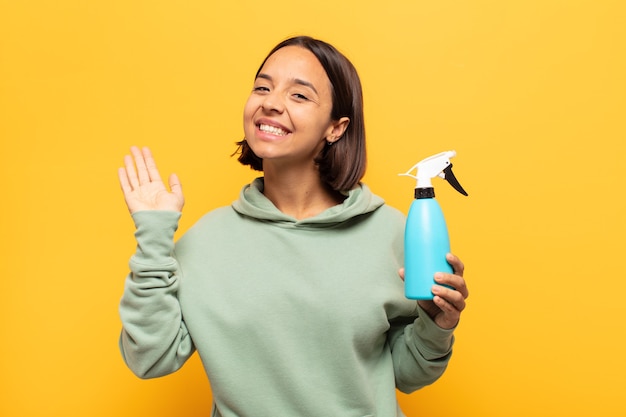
(420, 350)
(154, 339)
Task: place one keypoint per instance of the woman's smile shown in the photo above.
(272, 128)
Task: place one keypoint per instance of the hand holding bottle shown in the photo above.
(142, 185)
(450, 293)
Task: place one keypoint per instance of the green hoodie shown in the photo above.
(289, 317)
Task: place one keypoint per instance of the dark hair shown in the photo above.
(342, 164)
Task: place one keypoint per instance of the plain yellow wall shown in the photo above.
(531, 94)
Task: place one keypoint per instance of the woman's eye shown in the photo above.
(261, 89)
(300, 96)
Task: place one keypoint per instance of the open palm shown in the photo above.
(142, 185)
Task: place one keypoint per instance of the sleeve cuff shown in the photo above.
(155, 234)
(436, 341)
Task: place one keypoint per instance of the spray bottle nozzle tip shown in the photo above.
(433, 166)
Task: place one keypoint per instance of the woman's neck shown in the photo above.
(299, 194)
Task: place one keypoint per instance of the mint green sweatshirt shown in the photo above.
(289, 317)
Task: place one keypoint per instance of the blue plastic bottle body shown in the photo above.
(426, 243)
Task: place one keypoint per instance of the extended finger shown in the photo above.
(131, 173)
(140, 164)
(124, 183)
(151, 168)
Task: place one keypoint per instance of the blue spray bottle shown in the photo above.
(426, 240)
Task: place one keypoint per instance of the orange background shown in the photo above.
(531, 94)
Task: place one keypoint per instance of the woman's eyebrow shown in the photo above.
(295, 80)
(306, 84)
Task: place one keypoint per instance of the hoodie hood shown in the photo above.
(253, 203)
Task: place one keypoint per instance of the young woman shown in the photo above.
(293, 295)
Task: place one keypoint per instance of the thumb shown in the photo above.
(175, 185)
(401, 273)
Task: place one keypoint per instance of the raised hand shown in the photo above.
(142, 185)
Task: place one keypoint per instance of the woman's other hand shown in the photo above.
(448, 303)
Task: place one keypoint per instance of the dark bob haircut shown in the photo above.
(342, 164)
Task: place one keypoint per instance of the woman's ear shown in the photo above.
(337, 129)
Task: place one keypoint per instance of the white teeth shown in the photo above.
(272, 129)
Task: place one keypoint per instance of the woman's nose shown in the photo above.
(273, 102)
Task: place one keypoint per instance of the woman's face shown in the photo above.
(287, 116)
